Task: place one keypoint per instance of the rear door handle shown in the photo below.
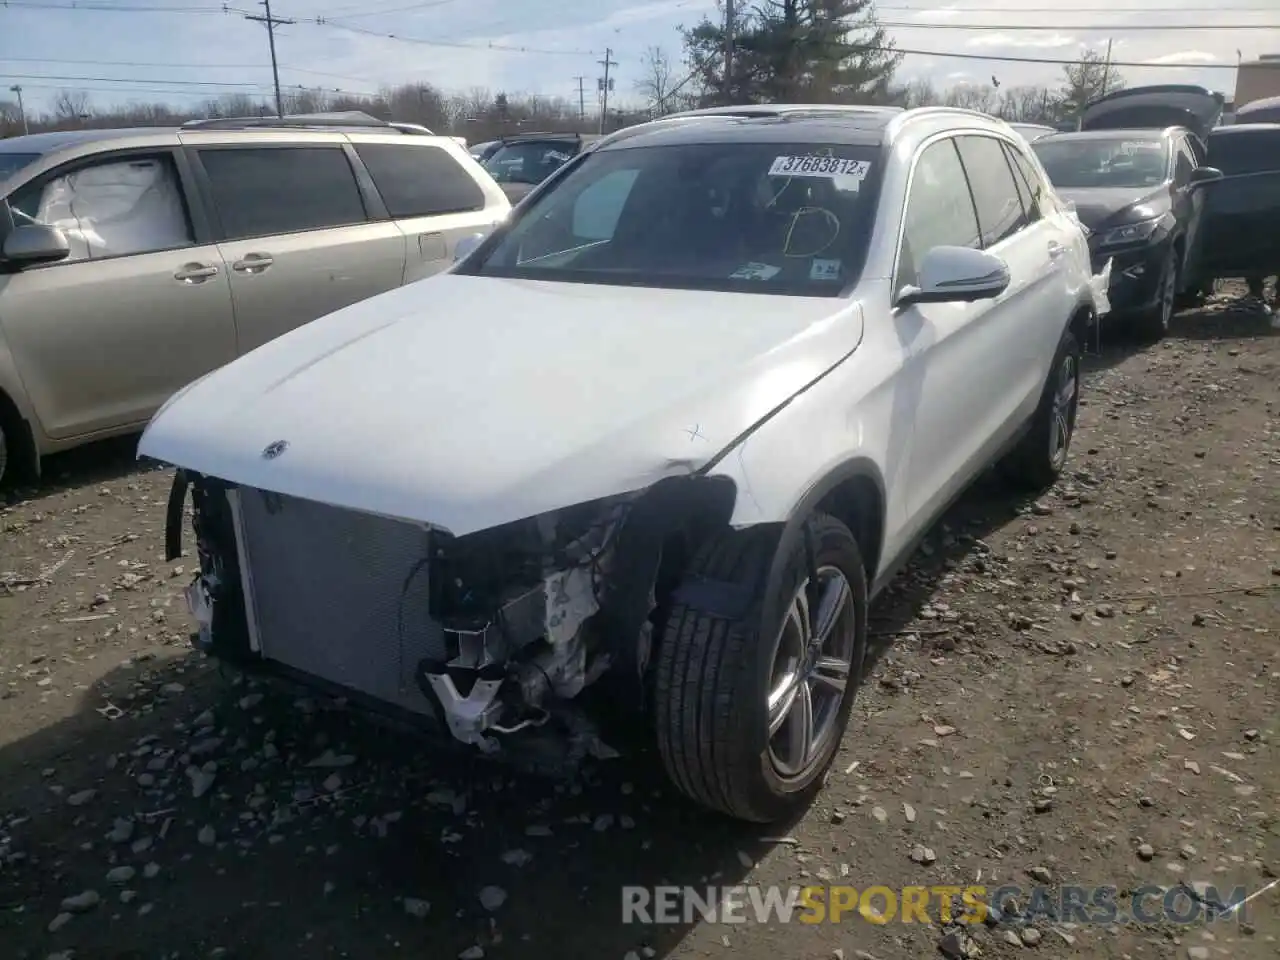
(192, 273)
(1056, 249)
(252, 263)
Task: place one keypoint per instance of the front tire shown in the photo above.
(1151, 325)
(749, 714)
(1037, 461)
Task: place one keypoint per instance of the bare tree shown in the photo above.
(71, 105)
(1028, 104)
(972, 96)
(655, 85)
(1085, 80)
(916, 93)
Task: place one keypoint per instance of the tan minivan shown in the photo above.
(135, 261)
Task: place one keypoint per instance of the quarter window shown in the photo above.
(1029, 204)
(265, 191)
(117, 207)
(995, 194)
(1035, 183)
(939, 209)
(420, 180)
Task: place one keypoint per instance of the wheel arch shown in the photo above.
(854, 493)
(20, 437)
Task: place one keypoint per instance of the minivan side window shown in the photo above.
(995, 194)
(261, 191)
(420, 180)
(939, 210)
(119, 206)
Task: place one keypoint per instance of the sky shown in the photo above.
(185, 51)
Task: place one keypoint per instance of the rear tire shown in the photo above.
(1040, 456)
(749, 715)
(1151, 325)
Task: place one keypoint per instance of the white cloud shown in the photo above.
(1183, 57)
(1025, 40)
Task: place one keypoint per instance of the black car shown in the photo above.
(522, 162)
(1136, 172)
(1242, 211)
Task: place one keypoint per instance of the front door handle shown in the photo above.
(192, 273)
(252, 263)
(1056, 249)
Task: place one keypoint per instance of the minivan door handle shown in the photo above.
(192, 273)
(252, 263)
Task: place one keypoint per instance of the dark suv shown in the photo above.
(1136, 172)
(522, 162)
(1242, 211)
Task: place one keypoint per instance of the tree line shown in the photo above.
(792, 51)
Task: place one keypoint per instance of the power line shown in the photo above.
(1059, 27)
(362, 12)
(325, 22)
(1128, 65)
(180, 66)
(103, 8)
(165, 81)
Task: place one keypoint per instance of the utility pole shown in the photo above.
(22, 112)
(728, 51)
(1106, 71)
(271, 22)
(582, 99)
(607, 62)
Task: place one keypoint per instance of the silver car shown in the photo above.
(133, 262)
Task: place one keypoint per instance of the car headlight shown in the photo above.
(1130, 233)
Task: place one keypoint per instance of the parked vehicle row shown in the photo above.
(719, 375)
(1172, 198)
(133, 262)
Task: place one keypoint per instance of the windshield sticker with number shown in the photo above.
(755, 271)
(826, 167)
(1130, 149)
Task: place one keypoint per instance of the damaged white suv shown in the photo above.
(655, 443)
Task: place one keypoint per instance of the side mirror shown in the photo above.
(1205, 175)
(957, 275)
(35, 243)
(466, 246)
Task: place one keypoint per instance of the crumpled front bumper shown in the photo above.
(1100, 283)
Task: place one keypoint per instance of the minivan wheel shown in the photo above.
(1037, 461)
(749, 714)
(1153, 324)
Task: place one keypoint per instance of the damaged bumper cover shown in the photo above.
(527, 615)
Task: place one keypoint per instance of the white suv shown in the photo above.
(661, 437)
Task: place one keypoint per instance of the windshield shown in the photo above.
(529, 161)
(11, 163)
(1097, 162)
(753, 217)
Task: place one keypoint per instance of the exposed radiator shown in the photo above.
(324, 587)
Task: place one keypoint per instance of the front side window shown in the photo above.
(259, 192)
(939, 211)
(1184, 164)
(1089, 162)
(786, 218)
(1000, 212)
(121, 206)
(529, 161)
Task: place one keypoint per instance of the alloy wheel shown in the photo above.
(811, 670)
(1062, 420)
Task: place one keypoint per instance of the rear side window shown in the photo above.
(1241, 152)
(265, 191)
(1000, 213)
(420, 181)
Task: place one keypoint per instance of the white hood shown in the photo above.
(469, 402)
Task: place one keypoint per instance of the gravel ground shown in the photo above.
(1082, 689)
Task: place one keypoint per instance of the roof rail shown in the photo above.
(767, 110)
(349, 119)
